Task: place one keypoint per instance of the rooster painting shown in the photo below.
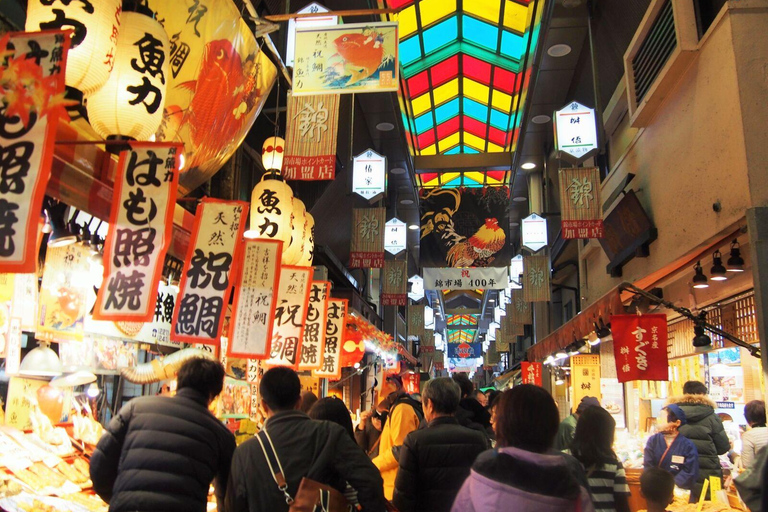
(487, 241)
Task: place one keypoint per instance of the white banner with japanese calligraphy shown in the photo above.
(32, 99)
(334, 331)
(488, 278)
(582, 209)
(140, 229)
(311, 357)
(310, 140)
(206, 282)
(250, 330)
(290, 315)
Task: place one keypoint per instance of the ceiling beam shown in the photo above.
(471, 161)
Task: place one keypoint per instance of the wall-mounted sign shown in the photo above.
(489, 278)
(575, 131)
(534, 232)
(395, 232)
(314, 21)
(628, 233)
(369, 175)
(585, 377)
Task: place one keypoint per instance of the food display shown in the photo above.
(9, 486)
(26, 502)
(86, 429)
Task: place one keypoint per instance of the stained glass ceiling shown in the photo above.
(466, 320)
(455, 179)
(460, 336)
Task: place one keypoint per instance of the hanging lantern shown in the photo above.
(293, 252)
(96, 28)
(271, 210)
(309, 242)
(272, 153)
(130, 105)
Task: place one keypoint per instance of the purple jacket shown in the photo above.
(532, 481)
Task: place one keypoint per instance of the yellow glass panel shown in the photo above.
(501, 101)
(486, 9)
(476, 91)
(446, 91)
(447, 177)
(479, 177)
(429, 150)
(421, 104)
(515, 16)
(408, 23)
(493, 148)
(474, 141)
(448, 142)
(433, 10)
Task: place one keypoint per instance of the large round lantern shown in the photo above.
(272, 153)
(96, 26)
(271, 210)
(293, 252)
(309, 242)
(130, 105)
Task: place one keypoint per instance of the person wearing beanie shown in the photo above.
(673, 452)
(567, 428)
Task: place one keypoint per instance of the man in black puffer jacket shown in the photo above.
(435, 461)
(160, 454)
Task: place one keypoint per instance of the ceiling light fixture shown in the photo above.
(735, 262)
(514, 224)
(602, 330)
(559, 50)
(41, 361)
(549, 360)
(406, 201)
(519, 199)
(397, 170)
(701, 341)
(528, 166)
(413, 227)
(699, 279)
(541, 119)
(385, 127)
(561, 354)
(59, 236)
(718, 271)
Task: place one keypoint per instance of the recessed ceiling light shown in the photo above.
(514, 224)
(388, 127)
(559, 50)
(397, 170)
(520, 199)
(406, 201)
(413, 227)
(540, 119)
(528, 166)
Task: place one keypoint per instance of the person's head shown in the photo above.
(754, 412)
(205, 376)
(280, 390)
(332, 409)
(480, 397)
(586, 403)
(308, 399)
(676, 417)
(491, 394)
(694, 387)
(440, 397)
(467, 388)
(378, 418)
(593, 441)
(393, 383)
(527, 418)
(493, 408)
(657, 487)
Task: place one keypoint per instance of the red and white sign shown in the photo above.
(334, 332)
(290, 316)
(640, 347)
(531, 373)
(311, 357)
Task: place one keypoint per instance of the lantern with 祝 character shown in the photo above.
(295, 249)
(271, 210)
(309, 242)
(96, 26)
(272, 153)
(130, 105)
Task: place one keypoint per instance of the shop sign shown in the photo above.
(250, 330)
(32, 102)
(581, 206)
(206, 282)
(575, 131)
(12, 351)
(491, 357)
(369, 175)
(310, 140)
(585, 377)
(536, 278)
(510, 324)
(395, 235)
(464, 350)
(522, 312)
(140, 229)
(534, 232)
(640, 347)
(627, 232)
(515, 271)
(475, 278)
(395, 289)
(334, 331)
(290, 314)
(22, 400)
(367, 245)
(64, 292)
(350, 58)
(416, 320)
(726, 405)
(439, 360)
(503, 342)
(411, 382)
(416, 292)
(313, 21)
(311, 357)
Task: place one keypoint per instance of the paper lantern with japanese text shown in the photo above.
(96, 27)
(295, 248)
(130, 104)
(272, 153)
(271, 209)
(309, 242)
(352, 346)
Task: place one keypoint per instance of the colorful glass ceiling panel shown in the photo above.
(465, 72)
(456, 179)
(460, 336)
(461, 320)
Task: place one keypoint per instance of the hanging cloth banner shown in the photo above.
(334, 330)
(492, 357)
(250, 330)
(33, 100)
(314, 329)
(508, 325)
(395, 289)
(531, 373)
(427, 344)
(207, 279)
(140, 228)
(367, 247)
(464, 350)
(522, 312)
(502, 342)
(640, 347)
(439, 360)
(536, 279)
(416, 321)
(310, 140)
(585, 377)
(290, 315)
(490, 278)
(582, 215)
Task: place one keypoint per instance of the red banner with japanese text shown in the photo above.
(367, 245)
(582, 210)
(531, 373)
(395, 288)
(140, 228)
(334, 331)
(640, 347)
(310, 139)
(206, 282)
(290, 316)
(32, 65)
(439, 360)
(311, 357)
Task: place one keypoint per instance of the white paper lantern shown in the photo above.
(271, 210)
(96, 26)
(309, 243)
(272, 153)
(131, 102)
(295, 249)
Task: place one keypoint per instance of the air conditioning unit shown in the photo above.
(664, 46)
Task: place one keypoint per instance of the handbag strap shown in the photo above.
(661, 460)
(274, 463)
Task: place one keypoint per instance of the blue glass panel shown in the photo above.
(424, 122)
(447, 111)
(468, 150)
(512, 45)
(453, 151)
(499, 120)
(409, 50)
(480, 33)
(454, 183)
(439, 35)
(476, 110)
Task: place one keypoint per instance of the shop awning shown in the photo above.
(579, 326)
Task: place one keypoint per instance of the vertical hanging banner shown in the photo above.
(531, 373)
(522, 312)
(32, 97)
(334, 330)
(207, 279)
(536, 277)
(64, 292)
(310, 141)
(509, 326)
(582, 215)
(311, 356)
(502, 342)
(140, 227)
(439, 360)
(585, 377)
(290, 315)
(640, 347)
(395, 289)
(250, 330)
(367, 246)
(491, 357)
(416, 320)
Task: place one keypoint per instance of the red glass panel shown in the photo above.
(496, 175)
(477, 69)
(447, 128)
(475, 127)
(504, 80)
(445, 71)
(496, 136)
(418, 84)
(426, 139)
(426, 177)
(396, 4)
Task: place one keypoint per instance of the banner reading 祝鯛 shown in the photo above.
(582, 209)
(290, 315)
(367, 246)
(395, 289)
(334, 332)
(311, 357)
(310, 141)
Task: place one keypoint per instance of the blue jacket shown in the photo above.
(682, 459)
